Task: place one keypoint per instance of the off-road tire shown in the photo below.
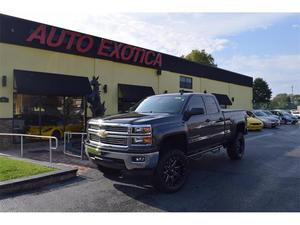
(171, 172)
(236, 149)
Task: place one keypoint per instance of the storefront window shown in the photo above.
(48, 115)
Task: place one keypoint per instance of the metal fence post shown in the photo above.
(50, 146)
(22, 149)
(81, 148)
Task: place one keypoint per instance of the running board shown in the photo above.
(199, 154)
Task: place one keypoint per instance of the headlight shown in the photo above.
(142, 130)
(142, 140)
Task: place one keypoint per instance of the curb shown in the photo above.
(37, 181)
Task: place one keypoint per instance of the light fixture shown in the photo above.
(158, 72)
(232, 99)
(4, 81)
(105, 88)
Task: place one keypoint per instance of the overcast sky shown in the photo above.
(263, 45)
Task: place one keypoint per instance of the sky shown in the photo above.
(263, 45)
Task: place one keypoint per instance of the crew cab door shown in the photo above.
(215, 119)
(197, 125)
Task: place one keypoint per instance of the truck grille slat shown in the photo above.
(115, 129)
(109, 140)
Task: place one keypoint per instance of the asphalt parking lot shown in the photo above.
(267, 179)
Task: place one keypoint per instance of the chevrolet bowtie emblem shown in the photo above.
(102, 133)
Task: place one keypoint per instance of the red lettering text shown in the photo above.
(89, 45)
(51, 36)
(72, 35)
(38, 34)
(148, 61)
(158, 60)
(116, 51)
(130, 53)
(104, 46)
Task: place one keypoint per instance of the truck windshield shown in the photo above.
(162, 104)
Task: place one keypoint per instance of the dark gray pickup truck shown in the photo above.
(163, 133)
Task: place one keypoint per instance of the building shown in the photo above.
(45, 74)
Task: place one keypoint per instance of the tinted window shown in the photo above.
(211, 105)
(196, 102)
(162, 104)
(186, 82)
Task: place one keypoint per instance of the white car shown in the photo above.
(295, 113)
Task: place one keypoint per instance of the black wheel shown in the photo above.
(171, 172)
(56, 134)
(236, 148)
(108, 171)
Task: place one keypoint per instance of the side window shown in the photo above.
(211, 105)
(196, 102)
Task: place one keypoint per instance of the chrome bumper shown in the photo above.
(96, 154)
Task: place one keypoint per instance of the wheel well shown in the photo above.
(178, 141)
(57, 131)
(240, 128)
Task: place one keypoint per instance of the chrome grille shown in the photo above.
(93, 127)
(120, 129)
(114, 141)
(94, 137)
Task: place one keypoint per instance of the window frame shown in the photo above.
(186, 82)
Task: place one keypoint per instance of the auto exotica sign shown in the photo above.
(53, 37)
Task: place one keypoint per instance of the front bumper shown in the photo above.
(255, 127)
(121, 160)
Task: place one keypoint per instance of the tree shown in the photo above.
(280, 101)
(261, 93)
(200, 57)
(285, 101)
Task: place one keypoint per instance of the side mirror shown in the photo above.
(193, 112)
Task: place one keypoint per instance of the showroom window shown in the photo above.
(48, 115)
(186, 82)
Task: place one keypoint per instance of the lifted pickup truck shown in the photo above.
(162, 133)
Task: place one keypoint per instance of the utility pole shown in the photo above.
(292, 96)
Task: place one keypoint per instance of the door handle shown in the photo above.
(207, 120)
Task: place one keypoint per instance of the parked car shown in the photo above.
(254, 124)
(54, 130)
(269, 113)
(285, 117)
(162, 133)
(295, 113)
(268, 121)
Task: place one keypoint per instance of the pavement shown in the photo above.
(266, 180)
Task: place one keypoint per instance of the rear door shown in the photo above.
(197, 126)
(216, 122)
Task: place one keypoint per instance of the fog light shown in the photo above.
(138, 159)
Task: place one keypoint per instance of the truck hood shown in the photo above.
(136, 118)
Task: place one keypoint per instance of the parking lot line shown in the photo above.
(259, 136)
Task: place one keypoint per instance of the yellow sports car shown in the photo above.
(54, 130)
(254, 124)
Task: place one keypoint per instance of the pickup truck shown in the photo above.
(163, 133)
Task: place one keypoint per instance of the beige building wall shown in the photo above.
(110, 73)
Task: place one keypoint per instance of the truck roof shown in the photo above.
(185, 94)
